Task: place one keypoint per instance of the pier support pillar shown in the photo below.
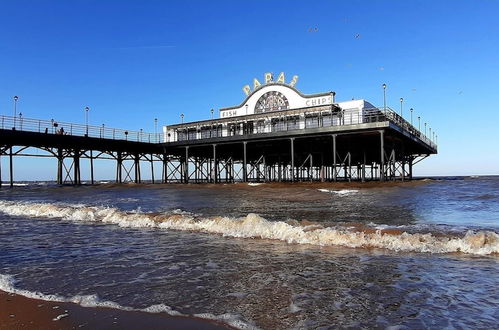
(11, 166)
(334, 158)
(76, 168)
(292, 140)
(186, 165)
(136, 161)
(245, 163)
(382, 156)
(91, 168)
(60, 160)
(214, 170)
(152, 170)
(119, 165)
(164, 175)
(410, 168)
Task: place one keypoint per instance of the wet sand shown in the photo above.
(18, 312)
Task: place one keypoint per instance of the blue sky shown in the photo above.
(133, 61)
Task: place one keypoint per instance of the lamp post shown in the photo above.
(212, 111)
(86, 120)
(156, 128)
(401, 109)
(425, 129)
(384, 96)
(15, 109)
(419, 123)
(181, 118)
(411, 115)
(246, 109)
(430, 133)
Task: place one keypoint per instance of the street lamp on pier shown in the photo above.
(419, 123)
(181, 118)
(401, 112)
(212, 111)
(15, 110)
(411, 115)
(384, 96)
(86, 120)
(156, 128)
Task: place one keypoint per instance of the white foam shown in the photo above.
(481, 242)
(342, 192)
(254, 184)
(7, 284)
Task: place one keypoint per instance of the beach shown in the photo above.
(421, 254)
(18, 312)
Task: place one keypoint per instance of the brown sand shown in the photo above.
(18, 312)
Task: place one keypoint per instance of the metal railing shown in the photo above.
(64, 128)
(309, 118)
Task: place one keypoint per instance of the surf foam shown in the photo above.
(480, 242)
(7, 284)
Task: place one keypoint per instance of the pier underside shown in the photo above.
(373, 151)
(362, 155)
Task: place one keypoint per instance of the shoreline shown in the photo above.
(20, 312)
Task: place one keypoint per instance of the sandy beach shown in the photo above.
(18, 312)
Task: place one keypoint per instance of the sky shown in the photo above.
(133, 61)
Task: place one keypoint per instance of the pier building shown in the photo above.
(279, 134)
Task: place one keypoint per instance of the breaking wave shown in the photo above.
(482, 242)
(7, 284)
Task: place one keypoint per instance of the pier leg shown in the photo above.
(76, 168)
(91, 168)
(214, 172)
(119, 166)
(11, 166)
(364, 168)
(334, 158)
(410, 168)
(152, 170)
(382, 156)
(292, 159)
(245, 164)
(310, 170)
(137, 168)
(186, 165)
(60, 160)
(165, 169)
(1, 151)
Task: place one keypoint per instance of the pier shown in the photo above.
(275, 134)
(71, 143)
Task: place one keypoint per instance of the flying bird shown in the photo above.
(357, 36)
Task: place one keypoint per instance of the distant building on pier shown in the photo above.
(280, 134)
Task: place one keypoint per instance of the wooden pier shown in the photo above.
(379, 146)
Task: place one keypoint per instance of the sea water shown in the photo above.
(275, 256)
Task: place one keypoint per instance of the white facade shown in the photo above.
(271, 108)
(294, 100)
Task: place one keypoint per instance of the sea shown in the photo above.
(405, 255)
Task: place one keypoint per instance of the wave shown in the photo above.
(481, 242)
(7, 284)
(342, 192)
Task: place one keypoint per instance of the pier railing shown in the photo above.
(290, 120)
(64, 128)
